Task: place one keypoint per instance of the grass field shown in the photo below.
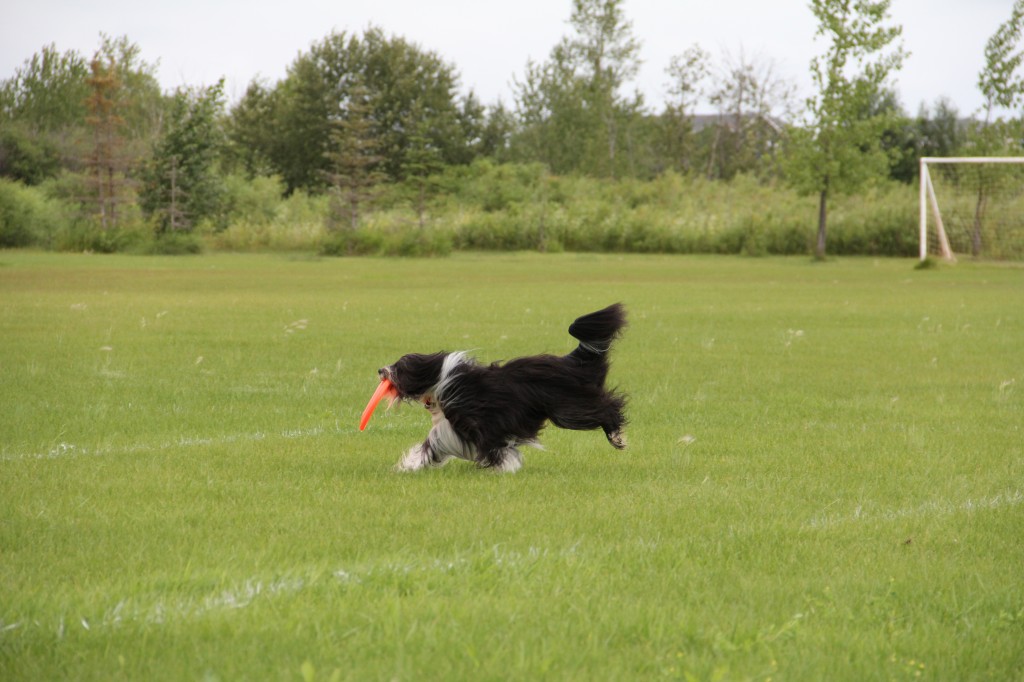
(825, 477)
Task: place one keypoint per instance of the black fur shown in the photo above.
(483, 412)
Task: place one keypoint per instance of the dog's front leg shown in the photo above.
(416, 458)
(442, 444)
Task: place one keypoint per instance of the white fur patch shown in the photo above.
(448, 367)
(446, 443)
(511, 461)
(452, 361)
(414, 459)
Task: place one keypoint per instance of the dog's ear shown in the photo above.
(416, 374)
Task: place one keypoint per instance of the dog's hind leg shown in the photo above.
(506, 460)
(614, 430)
(613, 421)
(617, 438)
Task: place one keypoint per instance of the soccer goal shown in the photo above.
(972, 206)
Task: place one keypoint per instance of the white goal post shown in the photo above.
(928, 199)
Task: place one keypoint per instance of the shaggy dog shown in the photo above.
(484, 413)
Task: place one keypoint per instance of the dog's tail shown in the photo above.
(596, 331)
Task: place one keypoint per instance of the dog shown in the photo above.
(485, 413)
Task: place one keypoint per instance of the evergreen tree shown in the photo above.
(140, 102)
(249, 139)
(104, 162)
(422, 162)
(353, 160)
(181, 185)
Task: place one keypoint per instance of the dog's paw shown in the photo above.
(511, 461)
(414, 459)
(618, 439)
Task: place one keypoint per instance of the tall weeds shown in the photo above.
(519, 207)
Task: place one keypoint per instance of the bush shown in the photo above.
(367, 241)
(492, 207)
(88, 237)
(79, 230)
(27, 216)
(881, 222)
(260, 219)
(173, 244)
(352, 243)
(25, 157)
(254, 201)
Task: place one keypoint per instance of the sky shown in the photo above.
(196, 42)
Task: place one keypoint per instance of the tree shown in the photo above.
(297, 136)
(484, 129)
(607, 55)
(42, 108)
(687, 73)
(999, 81)
(747, 94)
(573, 115)
(422, 162)
(553, 121)
(27, 157)
(47, 92)
(354, 158)
(104, 161)
(492, 139)
(939, 131)
(140, 102)
(291, 122)
(897, 135)
(181, 186)
(839, 150)
(249, 137)
(1003, 88)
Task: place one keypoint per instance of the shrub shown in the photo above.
(27, 216)
(251, 201)
(26, 157)
(370, 242)
(84, 235)
(260, 219)
(173, 244)
(880, 222)
(352, 243)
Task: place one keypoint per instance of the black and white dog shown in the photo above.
(483, 413)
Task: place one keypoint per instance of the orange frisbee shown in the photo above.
(385, 388)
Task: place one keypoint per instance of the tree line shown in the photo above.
(357, 112)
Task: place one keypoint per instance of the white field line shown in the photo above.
(240, 595)
(933, 508)
(61, 450)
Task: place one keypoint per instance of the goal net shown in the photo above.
(972, 206)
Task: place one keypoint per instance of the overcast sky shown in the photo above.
(489, 42)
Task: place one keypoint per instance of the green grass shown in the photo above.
(825, 477)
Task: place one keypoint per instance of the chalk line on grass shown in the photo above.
(164, 610)
(1008, 498)
(72, 450)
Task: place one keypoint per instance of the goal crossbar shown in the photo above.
(927, 197)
